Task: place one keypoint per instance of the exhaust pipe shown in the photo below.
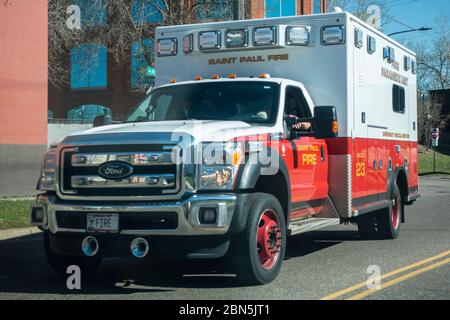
(89, 246)
(139, 247)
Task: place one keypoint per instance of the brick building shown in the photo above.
(111, 88)
(23, 94)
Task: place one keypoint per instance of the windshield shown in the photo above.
(252, 102)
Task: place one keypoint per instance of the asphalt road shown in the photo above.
(323, 264)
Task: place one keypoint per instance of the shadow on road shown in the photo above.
(24, 270)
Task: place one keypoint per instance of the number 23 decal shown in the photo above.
(360, 169)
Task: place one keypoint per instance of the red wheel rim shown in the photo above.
(268, 239)
(395, 213)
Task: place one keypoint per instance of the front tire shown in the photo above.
(60, 263)
(258, 252)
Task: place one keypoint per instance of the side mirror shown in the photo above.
(101, 120)
(325, 123)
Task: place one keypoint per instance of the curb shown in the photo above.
(20, 232)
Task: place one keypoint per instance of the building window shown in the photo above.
(50, 114)
(398, 99)
(88, 67)
(142, 64)
(88, 112)
(217, 10)
(93, 13)
(278, 8)
(144, 11)
(317, 6)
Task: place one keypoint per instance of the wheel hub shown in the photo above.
(268, 239)
(395, 213)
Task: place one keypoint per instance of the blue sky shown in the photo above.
(416, 14)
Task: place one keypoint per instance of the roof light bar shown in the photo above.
(265, 36)
(236, 38)
(332, 35)
(208, 40)
(167, 47)
(297, 36)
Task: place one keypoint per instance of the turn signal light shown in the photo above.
(264, 75)
(335, 127)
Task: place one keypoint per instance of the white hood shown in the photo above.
(200, 130)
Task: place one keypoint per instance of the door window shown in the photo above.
(295, 103)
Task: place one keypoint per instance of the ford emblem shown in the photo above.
(115, 170)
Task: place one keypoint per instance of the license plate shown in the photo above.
(103, 223)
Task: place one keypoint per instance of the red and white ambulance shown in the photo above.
(256, 130)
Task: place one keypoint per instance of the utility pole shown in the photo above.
(238, 9)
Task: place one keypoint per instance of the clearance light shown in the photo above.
(167, 47)
(208, 40)
(235, 158)
(173, 81)
(215, 76)
(297, 36)
(197, 78)
(264, 75)
(232, 76)
(188, 43)
(264, 36)
(333, 35)
(335, 127)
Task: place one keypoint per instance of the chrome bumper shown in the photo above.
(187, 211)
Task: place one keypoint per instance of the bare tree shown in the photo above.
(60, 40)
(433, 73)
(359, 8)
(429, 116)
(128, 22)
(433, 58)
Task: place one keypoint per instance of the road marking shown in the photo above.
(387, 275)
(407, 276)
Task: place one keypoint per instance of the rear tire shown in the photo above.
(390, 220)
(368, 226)
(385, 223)
(257, 254)
(60, 263)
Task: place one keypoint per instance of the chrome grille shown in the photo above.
(156, 172)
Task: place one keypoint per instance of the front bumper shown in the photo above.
(62, 217)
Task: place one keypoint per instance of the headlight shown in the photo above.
(48, 170)
(220, 165)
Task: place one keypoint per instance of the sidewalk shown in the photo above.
(17, 233)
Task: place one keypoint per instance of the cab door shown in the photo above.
(309, 186)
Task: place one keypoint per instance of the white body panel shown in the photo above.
(340, 75)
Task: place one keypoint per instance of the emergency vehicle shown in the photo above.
(312, 120)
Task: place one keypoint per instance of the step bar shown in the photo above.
(311, 224)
